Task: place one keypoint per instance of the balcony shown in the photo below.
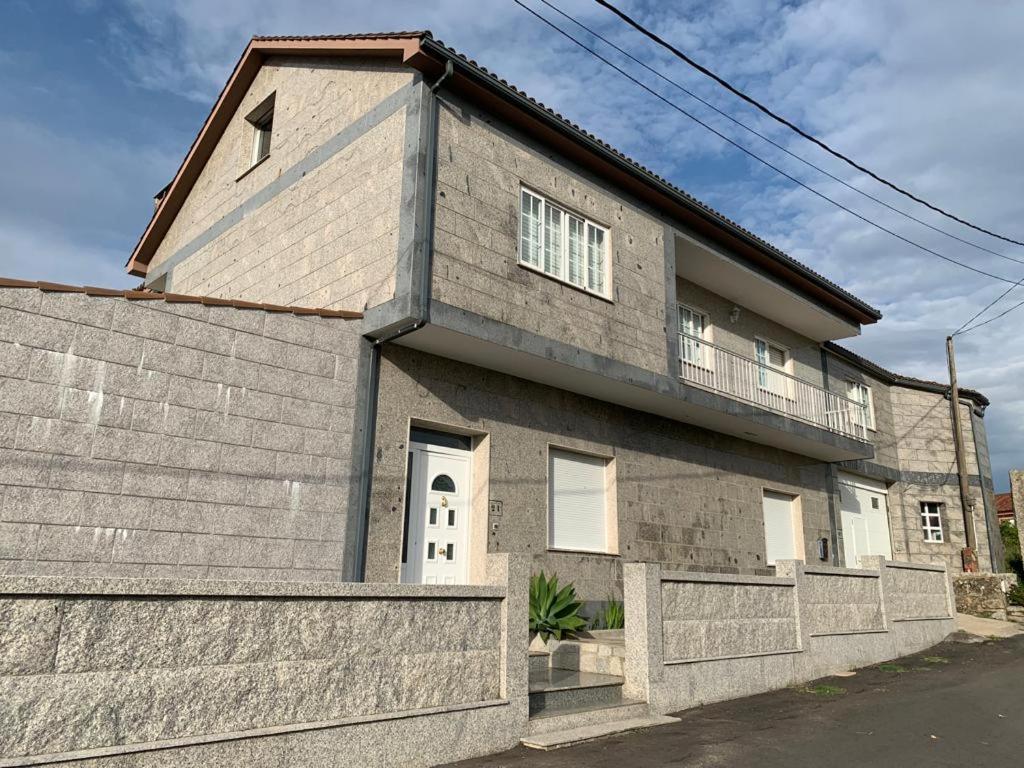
(719, 370)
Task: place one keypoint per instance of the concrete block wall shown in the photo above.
(686, 497)
(482, 165)
(149, 438)
(161, 672)
(826, 620)
(326, 238)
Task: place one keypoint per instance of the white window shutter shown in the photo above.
(779, 536)
(577, 506)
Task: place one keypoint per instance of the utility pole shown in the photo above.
(969, 553)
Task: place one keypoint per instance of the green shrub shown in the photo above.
(553, 611)
(1015, 595)
(612, 616)
(1011, 546)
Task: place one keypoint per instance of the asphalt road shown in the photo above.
(953, 705)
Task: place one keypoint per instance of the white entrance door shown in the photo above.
(864, 513)
(439, 508)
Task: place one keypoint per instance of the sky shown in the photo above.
(102, 99)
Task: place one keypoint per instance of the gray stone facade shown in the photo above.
(150, 438)
(686, 497)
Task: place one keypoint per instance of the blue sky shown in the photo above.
(102, 100)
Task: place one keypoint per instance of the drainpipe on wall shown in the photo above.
(373, 374)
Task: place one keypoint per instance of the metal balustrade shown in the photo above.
(715, 368)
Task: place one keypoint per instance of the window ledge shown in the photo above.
(563, 282)
(597, 552)
(253, 167)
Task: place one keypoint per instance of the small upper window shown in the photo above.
(262, 121)
(563, 245)
(861, 394)
(931, 521)
(443, 484)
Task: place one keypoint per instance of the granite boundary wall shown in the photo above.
(146, 438)
(740, 635)
(143, 672)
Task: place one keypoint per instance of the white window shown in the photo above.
(693, 328)
(931, 521)
(773, 367)
(577, 501)
(861, 393)
(262, 121)
(563, 245)
(783, 538)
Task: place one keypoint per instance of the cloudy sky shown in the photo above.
(102, 99)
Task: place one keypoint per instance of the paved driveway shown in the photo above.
(953, 705)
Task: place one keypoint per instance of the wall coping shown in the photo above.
(727, 578)
(825, 570)
(65, 586)
(915, 566)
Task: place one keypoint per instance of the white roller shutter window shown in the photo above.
(577, 503)
(779, 536)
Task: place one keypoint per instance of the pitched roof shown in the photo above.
(1004, 506)
(890, 377)
(175, 298)
(421, 51)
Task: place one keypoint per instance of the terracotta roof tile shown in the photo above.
(175, 298)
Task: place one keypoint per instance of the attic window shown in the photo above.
(262, 121)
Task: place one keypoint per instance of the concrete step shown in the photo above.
(539, 662)
(559, 690)
(568, 719)
(559, 739)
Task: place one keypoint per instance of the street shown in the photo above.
(952, 705)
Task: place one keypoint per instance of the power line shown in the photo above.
(768, 139)
(750, 153)
(993, 319)
(778, 118)
(986, 308)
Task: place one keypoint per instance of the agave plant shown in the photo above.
(612, 616)
(553, 611)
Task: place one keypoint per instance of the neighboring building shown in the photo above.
(561, 354)
(1004, 508)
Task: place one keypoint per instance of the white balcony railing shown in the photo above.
(712, 367)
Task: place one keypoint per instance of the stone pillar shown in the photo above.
(1017, 493)
(877, 563)
(513, 572)
(794, 569)
(641, 589)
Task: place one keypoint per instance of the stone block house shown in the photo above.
(529, 344)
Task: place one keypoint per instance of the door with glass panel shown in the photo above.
(437, 535)
(774, 385)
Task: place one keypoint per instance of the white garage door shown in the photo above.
(864, 510)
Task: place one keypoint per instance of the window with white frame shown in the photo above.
(577, 501)
(773, 367)
(563, 245)
(931, 521)
(693, 328)
(861, 393)
(262, 121)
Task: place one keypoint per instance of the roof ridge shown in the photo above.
(175, 298)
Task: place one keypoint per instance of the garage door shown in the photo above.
(864, 512)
